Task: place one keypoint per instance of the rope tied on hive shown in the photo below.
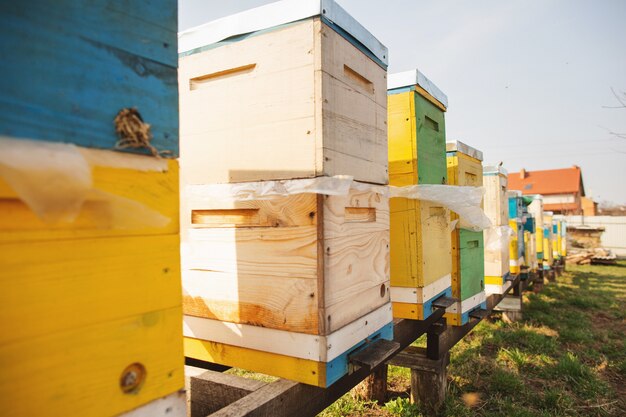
(133, 132)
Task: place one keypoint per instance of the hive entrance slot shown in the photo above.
(360, 214)
(245, 217)
(203, 80)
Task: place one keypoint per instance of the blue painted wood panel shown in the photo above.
(69, 67)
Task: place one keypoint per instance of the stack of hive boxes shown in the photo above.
(556, 243)
(535, 209)
(530, 247)
(563, 235)
(289, 286)
(496, 239)
(420, 237)
(90, 293)
(468, 265)
(516, 222)
(548, 237)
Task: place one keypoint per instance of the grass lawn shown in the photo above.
(567, 357)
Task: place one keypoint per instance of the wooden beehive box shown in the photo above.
(496, 203)
(271, 285)
(464, 165)
(90, 293)
(497, 210)
(420, 239)
(287, 90)
(548, 255)
(535, 209)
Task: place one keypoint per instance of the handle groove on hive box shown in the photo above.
(242, 217)
(360, 215)
(197, 83)
(358, 79)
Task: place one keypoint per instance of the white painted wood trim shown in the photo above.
(465, 149)
(174, 405)
(415, 77)
(497, 289)
(276, 14)
(467, 304)
(298, 345)
(418, 295)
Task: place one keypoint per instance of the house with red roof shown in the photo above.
(562, 189)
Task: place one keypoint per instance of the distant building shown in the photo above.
(562, 189)
(590, 207)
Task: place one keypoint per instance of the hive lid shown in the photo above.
(513, 193)
(415, 77)
(494, 170)
(459, 146)
(280, 13)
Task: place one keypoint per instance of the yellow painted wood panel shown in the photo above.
(403, 243)
(78, 372)
(408, 311)
(456, 263)
(51, 286)
(147, 193)
(302, 370)
(402, 141)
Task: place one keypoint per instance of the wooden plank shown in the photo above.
(210, 391)
(78, 371)
(150, 190)
(60, 97)
(51, 286)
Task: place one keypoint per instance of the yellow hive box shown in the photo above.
(468, 266)
(91, 309)
(420, 238)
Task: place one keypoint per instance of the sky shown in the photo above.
(529, 82)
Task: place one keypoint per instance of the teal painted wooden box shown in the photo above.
(69, 67)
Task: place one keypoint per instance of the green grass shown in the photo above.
(567, 357)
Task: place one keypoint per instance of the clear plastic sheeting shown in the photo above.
(497, 238)
(463, 200)
(267, 190)
(55, 180)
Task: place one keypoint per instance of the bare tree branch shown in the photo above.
(621, 100)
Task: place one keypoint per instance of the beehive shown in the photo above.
(420, 239)
(563, 234)
(530, 252)
(556, 240)
(270, 285)
(548, 254)
(496, 241)
(535, 209)
(516, 249)
(284, 272)
(286, 90)
(90, 292)
(468, 268)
